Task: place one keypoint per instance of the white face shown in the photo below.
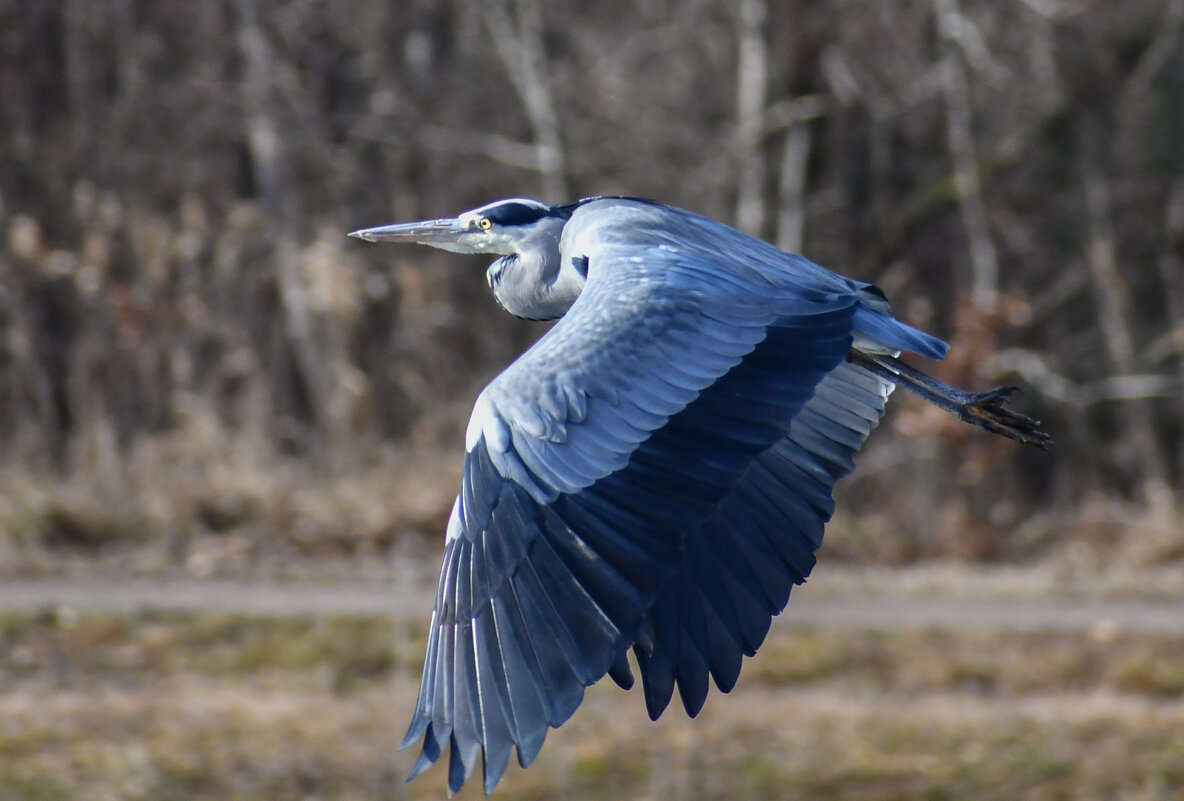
(483, 234)
(493, 228)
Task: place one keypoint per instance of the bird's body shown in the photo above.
(654, 474)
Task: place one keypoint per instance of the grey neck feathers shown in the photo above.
(537, 283)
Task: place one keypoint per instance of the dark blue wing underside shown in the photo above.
(740, 564)
(535, 601)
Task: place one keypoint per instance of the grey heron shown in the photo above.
(653, 475)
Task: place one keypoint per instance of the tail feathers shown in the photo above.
(884, 329)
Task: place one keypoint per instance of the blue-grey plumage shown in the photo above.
(654, 474)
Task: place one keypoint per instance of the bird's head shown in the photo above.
(505, 227)
(529, 279)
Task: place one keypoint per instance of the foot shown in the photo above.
(987, 410)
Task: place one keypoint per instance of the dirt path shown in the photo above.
(818, 604)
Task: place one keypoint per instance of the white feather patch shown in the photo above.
(485, 421)
(454, 529)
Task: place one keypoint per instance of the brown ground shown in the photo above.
(928, 683)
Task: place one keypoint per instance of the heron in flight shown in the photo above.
(654, 474)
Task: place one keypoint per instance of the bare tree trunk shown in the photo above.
(1137, 415)
(1154, 58)
(277, 195)
(78, 77)
(751, 82)
(38, 434)
(132, 80)
(791, 218)
(520, 47)
(960, 138)
(1171, 271)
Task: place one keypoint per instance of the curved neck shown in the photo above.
(536, 283)
(533, 288)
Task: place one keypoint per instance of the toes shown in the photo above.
(997, 395)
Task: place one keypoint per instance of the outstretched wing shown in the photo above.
(586, 460)
(740, 564)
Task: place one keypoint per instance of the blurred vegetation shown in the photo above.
(205, 706)
(196, 365)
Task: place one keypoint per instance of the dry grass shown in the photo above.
(203, 506)
(200, 706)
(205, 503)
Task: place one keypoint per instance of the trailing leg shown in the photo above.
(986, 410)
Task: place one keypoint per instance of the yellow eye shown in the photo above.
(484, 223)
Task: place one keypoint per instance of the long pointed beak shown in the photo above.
(428, 232)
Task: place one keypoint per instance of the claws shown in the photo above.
(987, 410)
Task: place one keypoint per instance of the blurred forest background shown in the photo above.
(198, 368)
(206, 387)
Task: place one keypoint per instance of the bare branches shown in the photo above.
(519, 43)
(791, 217)
(1036, 371)
(1157, 54)
(321, 364)
(751, 80)
(261, 119)
(454, 141)
(960, 137)
(1113, 303)
(756, 119)
(186, 169)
